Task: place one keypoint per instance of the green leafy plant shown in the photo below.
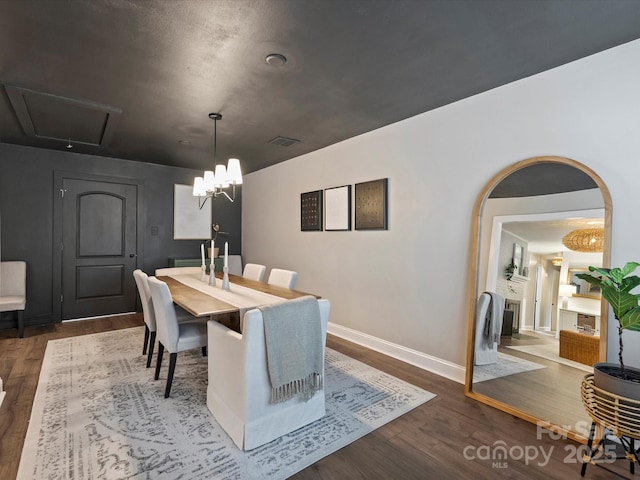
(508, 271)
(616, 285)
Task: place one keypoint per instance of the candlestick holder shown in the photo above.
(212, 276)
(225, 278)
(203, 273)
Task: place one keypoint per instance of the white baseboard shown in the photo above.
(421, 360)
(98, 317)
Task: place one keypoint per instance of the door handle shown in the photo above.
(131, 255)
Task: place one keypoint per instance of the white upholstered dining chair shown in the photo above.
(149, 316)
(177, 271)
(254, 271)
(283, 278)
(175, 337)
(239, 389)
(13, 290)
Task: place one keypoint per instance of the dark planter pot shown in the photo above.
(607, 377)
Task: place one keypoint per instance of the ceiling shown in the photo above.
(137, 79)
(545, 237)
(545, 178)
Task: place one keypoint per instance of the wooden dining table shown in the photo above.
(206, 305)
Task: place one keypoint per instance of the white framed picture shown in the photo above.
(337, 203)
(190, 222)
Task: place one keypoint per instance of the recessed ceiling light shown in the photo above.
(184, 142)
(275, 59)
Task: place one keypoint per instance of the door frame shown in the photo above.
(537, 297)
(58, 177)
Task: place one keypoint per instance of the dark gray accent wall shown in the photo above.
(26, 208)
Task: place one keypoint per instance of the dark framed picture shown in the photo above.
(311, 211)
(337, 203)
(371, 205)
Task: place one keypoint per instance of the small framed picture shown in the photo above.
(371, 205)
(337, 203)
(311, 211)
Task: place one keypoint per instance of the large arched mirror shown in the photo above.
(532, 335)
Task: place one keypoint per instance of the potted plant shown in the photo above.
(509, 269)
(616, 285)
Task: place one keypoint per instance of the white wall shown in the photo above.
(407, 286)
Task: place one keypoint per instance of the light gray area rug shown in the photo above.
(98, 414)
(506, 365)
(549, 351)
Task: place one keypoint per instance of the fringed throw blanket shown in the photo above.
(295, 358)
(493, 319)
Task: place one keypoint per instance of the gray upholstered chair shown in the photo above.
(13, 290)
(175, 337)
(283, 278)
(142, 282)
(235, 265)
(254, 271)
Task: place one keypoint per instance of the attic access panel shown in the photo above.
(43, 115)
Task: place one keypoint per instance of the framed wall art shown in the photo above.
(371, 205)
(189, 221)
(337, 202)
(518, 257)
(311, 211)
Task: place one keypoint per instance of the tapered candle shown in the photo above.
(202, 253)
(226, 253)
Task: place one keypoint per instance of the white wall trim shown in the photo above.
(96, 318)
(2, 392)
(419, 359)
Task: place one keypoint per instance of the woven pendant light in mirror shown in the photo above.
(586, 240)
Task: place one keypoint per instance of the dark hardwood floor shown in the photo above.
(551, 394)
(449, 437)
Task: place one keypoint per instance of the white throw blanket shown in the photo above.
(295, 357)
